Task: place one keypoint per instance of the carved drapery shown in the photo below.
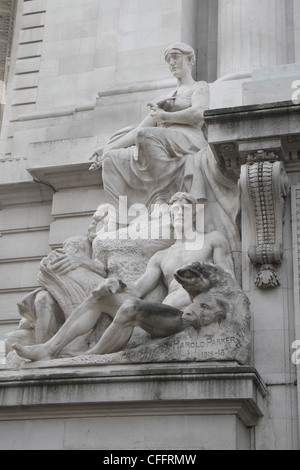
(264, 185)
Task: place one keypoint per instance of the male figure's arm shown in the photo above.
(221, 253)
(94, 266)
(150, 278)
(68, 262)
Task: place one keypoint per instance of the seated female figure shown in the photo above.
(147, 164)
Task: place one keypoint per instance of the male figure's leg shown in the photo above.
(159, 320)
(82, 320)
(46, 309)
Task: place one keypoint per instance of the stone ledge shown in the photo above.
(23, 193)
(67, 176)
(148, 388)
(236, 112)
(234, 133)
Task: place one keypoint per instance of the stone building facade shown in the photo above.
(74, 72)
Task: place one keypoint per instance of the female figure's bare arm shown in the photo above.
(125, 140)
(191, 115)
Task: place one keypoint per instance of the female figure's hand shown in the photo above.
(158, 114)
(97, 157)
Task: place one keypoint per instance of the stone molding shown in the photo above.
(24, 192)
(48, 180)
(67, 176)
(234, 133)
(132, 390)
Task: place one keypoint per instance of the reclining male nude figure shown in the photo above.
(124, 303)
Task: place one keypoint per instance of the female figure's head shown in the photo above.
(181, 59)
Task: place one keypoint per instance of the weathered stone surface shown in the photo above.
(166, 405)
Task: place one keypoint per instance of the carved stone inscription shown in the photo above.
(192, 346)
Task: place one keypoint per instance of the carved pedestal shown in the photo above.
(135, 407)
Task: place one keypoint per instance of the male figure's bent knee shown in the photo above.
(128, 311)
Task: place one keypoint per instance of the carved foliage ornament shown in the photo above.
(265, 185)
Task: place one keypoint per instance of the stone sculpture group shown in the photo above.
(121, 297)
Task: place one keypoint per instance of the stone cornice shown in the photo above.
(132, 390)
(217, 114)
(233, 133)
(67, 176)
(24, 192)
(48, 180)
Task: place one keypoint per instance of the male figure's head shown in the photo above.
(183, 211)
(77, 246)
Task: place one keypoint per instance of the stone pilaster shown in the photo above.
(295, 200)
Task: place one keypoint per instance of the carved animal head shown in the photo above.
(199, 277)
(219, 305)
(207, 308)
